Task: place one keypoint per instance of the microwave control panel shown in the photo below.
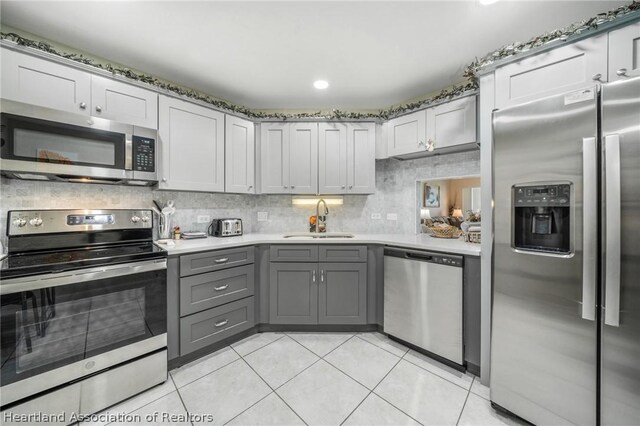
(144, 154)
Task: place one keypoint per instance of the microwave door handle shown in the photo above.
(589, 227)
(128, 151)
(612, 230)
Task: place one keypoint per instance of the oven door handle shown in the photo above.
(16, 285)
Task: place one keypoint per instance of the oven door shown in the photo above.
(57, 328)
(54, 143)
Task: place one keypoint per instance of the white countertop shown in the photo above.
(422, 242)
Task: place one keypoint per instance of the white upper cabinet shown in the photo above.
(406, 134)
(452, 123)
(560, 70)
(303, 158)
(36, 81)
(123, 102)
(361, 158)
(239, 155)
(332, 158)
(274, 158)
(624, 52)
(192, 146)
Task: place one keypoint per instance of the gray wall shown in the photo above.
(395, 193)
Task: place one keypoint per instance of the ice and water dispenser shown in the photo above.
(542, 218)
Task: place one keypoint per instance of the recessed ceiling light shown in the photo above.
(487, 2)
(320, 84)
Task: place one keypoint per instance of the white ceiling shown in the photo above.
(267, 54)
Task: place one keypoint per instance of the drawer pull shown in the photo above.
(223, 260)
(222, 287)
(222, 323)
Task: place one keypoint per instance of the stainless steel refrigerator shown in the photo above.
(565, 341)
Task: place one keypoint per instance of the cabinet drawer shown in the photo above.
(215, 260)
(205, 291)
(205, 328)
(343, 253)
(293, 253)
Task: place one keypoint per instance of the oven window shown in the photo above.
(62, 149)
(48, 328)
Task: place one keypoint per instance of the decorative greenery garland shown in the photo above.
(470, 73)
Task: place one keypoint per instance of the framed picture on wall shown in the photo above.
(431, 196)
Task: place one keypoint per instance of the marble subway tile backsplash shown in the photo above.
(395, 193)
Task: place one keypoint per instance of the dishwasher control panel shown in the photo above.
(424, 256)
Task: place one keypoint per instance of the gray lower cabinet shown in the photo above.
(207, 327)
(342, 293)
(293, 293)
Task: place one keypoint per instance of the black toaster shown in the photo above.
(225, 227)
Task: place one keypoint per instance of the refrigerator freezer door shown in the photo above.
(620, 348)
(543, 352)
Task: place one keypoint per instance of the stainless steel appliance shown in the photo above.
(83, 319)
(423, 300)
(46, 144)
(225, 227)
(565, 339)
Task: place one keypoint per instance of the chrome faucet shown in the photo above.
(326, 212)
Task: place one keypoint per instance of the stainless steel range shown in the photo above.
(83, 317)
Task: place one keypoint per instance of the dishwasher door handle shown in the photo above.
(418, 256)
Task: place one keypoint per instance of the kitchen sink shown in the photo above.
(312, 235)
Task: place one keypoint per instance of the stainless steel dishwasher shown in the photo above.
(423, 300)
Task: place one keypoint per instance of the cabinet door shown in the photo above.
(192, 146)
(453, 123)
(624, 52)
(556, 71)
(123, 102)
(342, 293)
(40, 82)
(361, 158)
(332, 158)
(274, 158)
(406, 134)
(293, 293)
(303, 158)
(239, 155)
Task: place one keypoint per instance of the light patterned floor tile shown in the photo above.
(454, 376)
(271, 411)
(322, 395)
(320, 343)
(255, 342)
(384, 342)
(167, 410)
(375, 411)
(280, 361)
(225, 393)
(480, 389)
(363, 361)
(478, 412)
(424, 396)
(203, 366)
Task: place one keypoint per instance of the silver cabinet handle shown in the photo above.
(589, 227)
(596, 77)
(622, 72)
(250, 186)
(350, 186)
(223, 260)
(612, 230)
(321, 275)
(292, 187)
(83, 105)
(343, 186)
(420, 143)
(164, 179)
(222, 287)
(313, 275)
(285, 186)
(222, 323)
(98, 108)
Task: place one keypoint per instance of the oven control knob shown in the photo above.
(19, 222)
(135, 219)
(36, 221)
(146, 219)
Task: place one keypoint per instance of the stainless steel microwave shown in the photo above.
(46, 144)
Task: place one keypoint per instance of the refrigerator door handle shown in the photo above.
(589, 227)
(612, 230)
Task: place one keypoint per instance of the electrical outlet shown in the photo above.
(263, 216)
(376, 216)
(205, 218)
(392, 216)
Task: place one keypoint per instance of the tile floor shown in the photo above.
(317, 379)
